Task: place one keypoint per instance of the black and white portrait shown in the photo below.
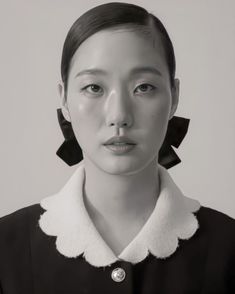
(117, 147)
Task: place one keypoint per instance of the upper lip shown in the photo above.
(119, 139)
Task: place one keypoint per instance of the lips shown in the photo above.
(119, 140)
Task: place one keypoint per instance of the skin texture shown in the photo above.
(120, 185)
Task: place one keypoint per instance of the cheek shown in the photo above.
(156, 114)
(156, 124)
(84, 117)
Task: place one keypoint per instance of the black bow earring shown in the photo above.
(71, 152)
(176, 131)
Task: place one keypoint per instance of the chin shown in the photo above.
(120, 165)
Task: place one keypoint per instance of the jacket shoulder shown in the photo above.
(16, 248)
(19, 215)
(216, 225)
(15, 226)
(208, 213)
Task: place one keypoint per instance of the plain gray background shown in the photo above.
(32, 35)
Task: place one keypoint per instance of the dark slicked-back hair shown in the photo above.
(114, 15)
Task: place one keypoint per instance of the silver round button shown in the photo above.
(118, 274)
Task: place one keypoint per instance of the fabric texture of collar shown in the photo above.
(66, 218)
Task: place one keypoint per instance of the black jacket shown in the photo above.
(30, 263)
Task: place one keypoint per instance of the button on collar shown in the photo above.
(118, 274)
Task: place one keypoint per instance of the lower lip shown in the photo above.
(120, 149)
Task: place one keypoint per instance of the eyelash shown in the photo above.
(85, 88)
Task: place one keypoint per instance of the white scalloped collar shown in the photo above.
(67, 218)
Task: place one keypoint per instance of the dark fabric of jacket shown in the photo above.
(30, 263)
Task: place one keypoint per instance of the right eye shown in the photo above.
(94, 89)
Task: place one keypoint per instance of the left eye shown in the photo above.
(93, 87)
(145, 88)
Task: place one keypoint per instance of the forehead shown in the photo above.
(120, 50)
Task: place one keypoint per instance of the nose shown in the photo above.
(119, 110)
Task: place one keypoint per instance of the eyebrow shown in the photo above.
(134, 71)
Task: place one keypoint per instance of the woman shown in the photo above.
(120, 224)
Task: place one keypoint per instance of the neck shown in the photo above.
(109, 196)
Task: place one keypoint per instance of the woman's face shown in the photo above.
(119, 85)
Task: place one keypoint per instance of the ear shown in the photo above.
(64, 103)
(175, 97)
